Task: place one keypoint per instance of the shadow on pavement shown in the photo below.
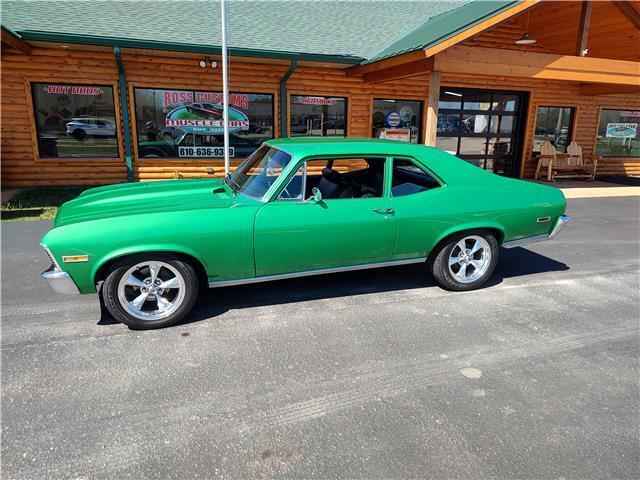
(213, 302)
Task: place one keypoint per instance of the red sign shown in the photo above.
(315, 101)
(175, 97)
(73, 90)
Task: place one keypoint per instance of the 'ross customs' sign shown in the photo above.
(200, 113)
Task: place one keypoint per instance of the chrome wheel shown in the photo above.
(469, 259)
(151, 290)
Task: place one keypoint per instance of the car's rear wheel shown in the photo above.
(465, 261)
(150, 291)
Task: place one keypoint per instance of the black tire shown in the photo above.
(439, 261)
(79, 134)
(115, 305)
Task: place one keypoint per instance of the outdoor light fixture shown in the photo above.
(207, 61)
(525, 39)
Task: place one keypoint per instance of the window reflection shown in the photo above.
(553, 124)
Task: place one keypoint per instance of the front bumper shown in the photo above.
(562, 221)
(60, 282)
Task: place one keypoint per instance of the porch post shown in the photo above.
(583, 30)
(432, 108)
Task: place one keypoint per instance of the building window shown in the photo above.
(188, 123)
(618, 133)
(75, 121)
(318, 116)
(553, 124)
(397, 120)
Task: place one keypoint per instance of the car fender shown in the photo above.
(461, 227)
(138, 249)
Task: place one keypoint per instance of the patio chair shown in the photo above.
(570, 165)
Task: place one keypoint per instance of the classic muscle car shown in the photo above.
(295, 207)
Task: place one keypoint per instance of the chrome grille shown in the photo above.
(53, 260)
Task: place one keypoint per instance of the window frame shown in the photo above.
(134, 127)
(347, 111)
(572, 124)
(35, 131)
(421, 123)
(385, 184)
(595, 140)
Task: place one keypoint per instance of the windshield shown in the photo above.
(259, 171)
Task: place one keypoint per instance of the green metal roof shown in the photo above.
(441, 27)
(351, 31)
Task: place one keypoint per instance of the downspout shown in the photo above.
(283, 97)
(124, 108)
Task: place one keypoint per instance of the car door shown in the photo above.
(293, 235)
(423, 208)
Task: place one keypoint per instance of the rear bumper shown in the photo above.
(60, 282)
(562, 221)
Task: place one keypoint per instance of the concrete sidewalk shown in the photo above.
(585, 189)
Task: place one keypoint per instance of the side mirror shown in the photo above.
(316, 195)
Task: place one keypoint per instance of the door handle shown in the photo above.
(386, 211)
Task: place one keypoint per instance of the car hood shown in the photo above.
(147, 197)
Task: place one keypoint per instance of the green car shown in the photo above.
(295, 207)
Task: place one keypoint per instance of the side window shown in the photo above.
(409, 178)
(338, 178)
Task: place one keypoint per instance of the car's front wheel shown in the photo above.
(465, 261)
(150, 291)
(79, 134)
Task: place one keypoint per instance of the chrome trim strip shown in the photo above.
(309, 273)
(562, 221)
(60, 282)
(525, 241)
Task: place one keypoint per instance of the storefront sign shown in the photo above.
(622, 130)
(315, 101)
(210, 152)
(73, 90)
(400, 134)
(172, 98)
(630, 114)
(393, 119)
(205, 119)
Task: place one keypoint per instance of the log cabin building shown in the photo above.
(106, 92)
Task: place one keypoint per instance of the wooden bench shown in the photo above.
(565, 165)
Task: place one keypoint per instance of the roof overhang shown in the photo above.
(14, 40)
(445, 41)
(514, 63)
(75, 39)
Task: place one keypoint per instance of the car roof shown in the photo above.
(347, 145)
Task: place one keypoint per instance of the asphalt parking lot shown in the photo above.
(376, 374)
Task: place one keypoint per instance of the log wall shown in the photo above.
(22, 167)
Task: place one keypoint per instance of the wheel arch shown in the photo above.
(101, 268)
(493, 227)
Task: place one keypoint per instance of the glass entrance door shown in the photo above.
(482, 127)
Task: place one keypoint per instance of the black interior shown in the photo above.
(366, 182)
(363, 183)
